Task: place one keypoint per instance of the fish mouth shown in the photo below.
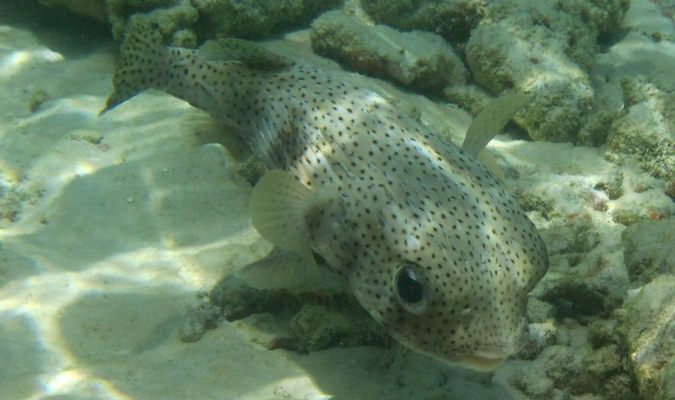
(483, 362)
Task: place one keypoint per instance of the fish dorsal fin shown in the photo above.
(249, 54)
(279, 208)
(490, 121)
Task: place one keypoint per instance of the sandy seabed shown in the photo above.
(111, 225)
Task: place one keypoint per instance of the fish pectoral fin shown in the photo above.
(491, 163)
(222, 131)
(283, 268)
(249, 54)
(279, 208)
(491, 120)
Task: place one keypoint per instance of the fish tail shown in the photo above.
(142, 58)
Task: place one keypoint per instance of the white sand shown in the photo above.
(124, 218)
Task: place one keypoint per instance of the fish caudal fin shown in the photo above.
(279, 208)
(142, 57)
(490, 121)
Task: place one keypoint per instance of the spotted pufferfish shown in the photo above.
(432, 245)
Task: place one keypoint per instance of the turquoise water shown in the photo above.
(118, 232)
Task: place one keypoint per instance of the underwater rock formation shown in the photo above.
(301, 320)
(646, 257)
(646, 128)
(649, 325)
(177, 19)
(419, 60)
(258, 18)
(543, 49)
(452, 19)
(569, 369)
(174, 21)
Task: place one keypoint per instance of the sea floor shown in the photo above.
(111, 226)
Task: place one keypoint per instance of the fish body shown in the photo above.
(431, 243)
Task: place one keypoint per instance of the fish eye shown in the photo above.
(410, 289)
